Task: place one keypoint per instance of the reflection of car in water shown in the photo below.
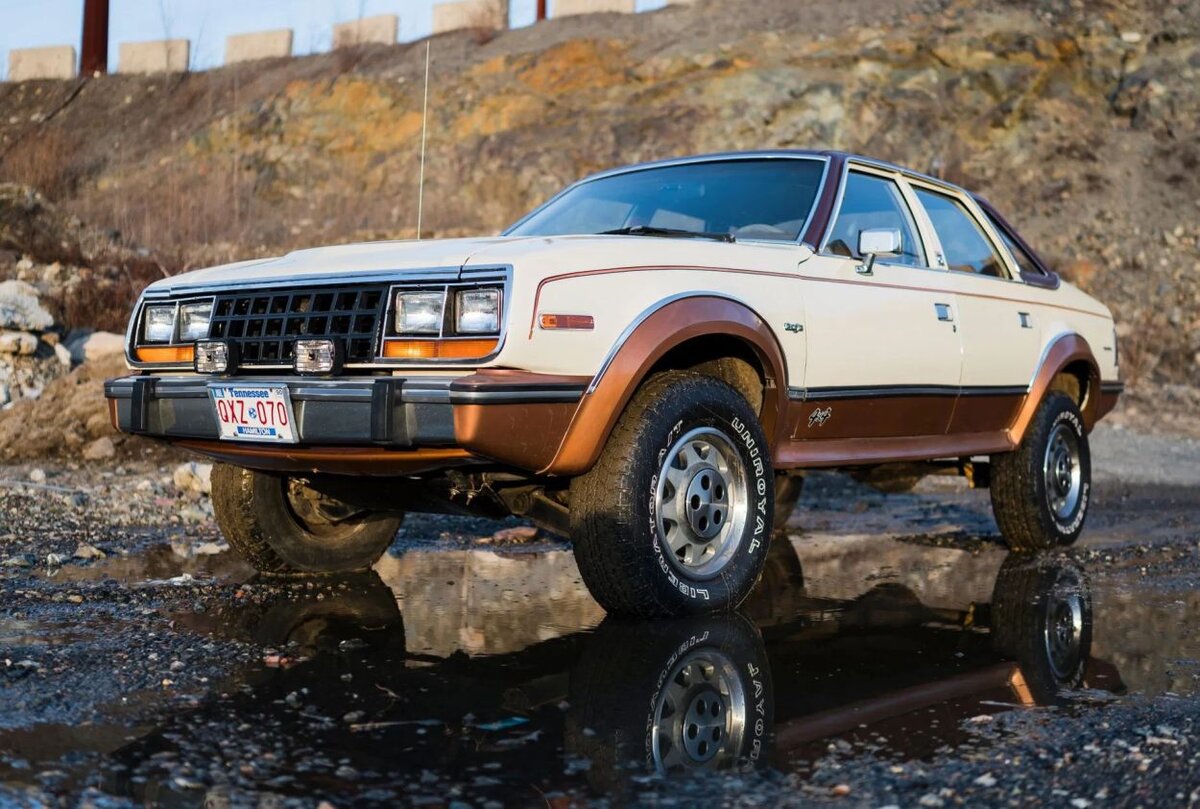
(730, 693)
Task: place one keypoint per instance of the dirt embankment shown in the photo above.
(1077, 119)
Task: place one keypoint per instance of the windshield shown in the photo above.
(746, 199)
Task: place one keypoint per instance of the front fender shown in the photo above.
(667, 327)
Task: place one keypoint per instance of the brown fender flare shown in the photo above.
(667, 327)
(1065, 350)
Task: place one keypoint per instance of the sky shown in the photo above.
(33, 23)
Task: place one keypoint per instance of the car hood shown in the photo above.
(530, 255)
(335, 263)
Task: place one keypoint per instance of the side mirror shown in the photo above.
(874, 243)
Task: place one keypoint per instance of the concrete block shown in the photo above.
(569, 8)
(56, 62)
(156, 56)
(258, 45)
(451, 16)
(379, 30)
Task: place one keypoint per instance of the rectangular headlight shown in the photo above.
(419, 312)
(158, 324)
(477, 311)
(193, 321)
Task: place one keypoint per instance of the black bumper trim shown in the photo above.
(388, 411)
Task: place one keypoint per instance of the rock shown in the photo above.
(63, 354)
(55, 559)
(18, 342)
(89, 347)
(86, 551)
(99, 450)
(37, 475)
(518, 533)
(20, 308)
(20, 560)
(193, 478)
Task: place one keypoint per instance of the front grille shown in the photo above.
(265, 325)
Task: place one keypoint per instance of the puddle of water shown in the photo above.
(491, 675)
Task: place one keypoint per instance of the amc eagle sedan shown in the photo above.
(646, 364)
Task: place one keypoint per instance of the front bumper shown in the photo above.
(387, 411)
(511, 417)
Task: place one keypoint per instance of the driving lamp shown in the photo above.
(419, 312)
(193, 321)
(478, 311)
(159, 324)
(213, 357)
(317, 356)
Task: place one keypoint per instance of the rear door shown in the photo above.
(884, 353)
(1000, 331)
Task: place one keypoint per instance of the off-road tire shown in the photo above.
(1029, 599)
(1019, 482)
(614, 507)
(255, 514)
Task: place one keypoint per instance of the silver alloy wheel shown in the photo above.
(701, 502)
(700, 715)
(1063, 632)
(1062, 471)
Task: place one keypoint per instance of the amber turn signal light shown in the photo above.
(171, 354)
(438, 349)
(568, 322)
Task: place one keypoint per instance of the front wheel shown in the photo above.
(1041, 490)
(282, 524)
(675, 517)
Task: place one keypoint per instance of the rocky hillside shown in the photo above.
(1079, 118)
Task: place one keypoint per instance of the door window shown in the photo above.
(964, 244)
(871, 203)
(1025, 262)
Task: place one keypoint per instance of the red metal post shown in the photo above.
(541, 10)
(94, 52)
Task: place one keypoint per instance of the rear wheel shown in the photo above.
(1041, 490)
(281, 524)
(675, 517)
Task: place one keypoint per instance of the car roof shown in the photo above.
(821, 154)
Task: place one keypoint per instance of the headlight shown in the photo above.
(193, 321)
(159, 324)
(419, 312)
(477, 311)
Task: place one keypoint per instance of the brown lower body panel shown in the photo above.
(867, 451)
(331, 460)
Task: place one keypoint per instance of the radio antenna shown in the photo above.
(424, 129)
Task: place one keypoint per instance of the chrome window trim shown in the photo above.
(693, 160)
(963, 198)
(837, 209)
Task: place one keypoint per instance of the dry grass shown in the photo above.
(45, 161)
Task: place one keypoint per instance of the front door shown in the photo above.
(884, 353)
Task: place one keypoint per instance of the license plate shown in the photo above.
(254, 413)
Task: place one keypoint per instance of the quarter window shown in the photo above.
(964, 244)
(871, 203)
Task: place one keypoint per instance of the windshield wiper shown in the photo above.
(646, 230)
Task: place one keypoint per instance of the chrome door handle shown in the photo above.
(944, 312)
(1026, 320)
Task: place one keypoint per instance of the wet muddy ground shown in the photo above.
(894, 654)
